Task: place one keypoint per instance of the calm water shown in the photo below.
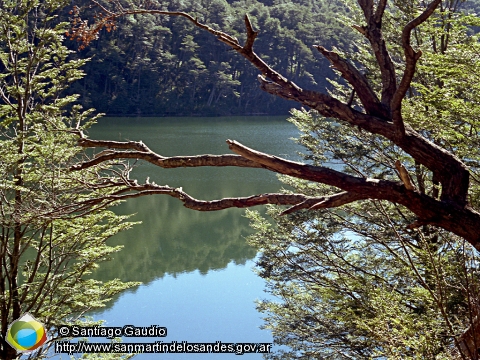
(196, 268)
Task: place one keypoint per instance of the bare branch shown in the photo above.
(382, 4)
(442, 163)
(439, 213)
(450, 216)
(242, 202)
(325, 202)
(133, 190)
(302, 171)
(143, 152)
(452, 172)
(251, 35)
(411, 58)
(404, 176)
(109, 144)
(351, 98)
(372, 188)
(170, 162)
(358, 81)
(246, 51)
(361, 29)
(338, 200)
(373, 32)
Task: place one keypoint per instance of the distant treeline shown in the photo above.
(159, 65)
(164, 66)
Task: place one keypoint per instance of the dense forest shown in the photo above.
(164, 66)
(155, 65)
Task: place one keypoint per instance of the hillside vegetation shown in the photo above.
(155, 65)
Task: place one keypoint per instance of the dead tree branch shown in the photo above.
(373, 32)
(138, 150)
(411, 58)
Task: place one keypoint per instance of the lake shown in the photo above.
(196, 267)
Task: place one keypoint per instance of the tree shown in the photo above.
(436, 198)
(54, 223)
(355, 282)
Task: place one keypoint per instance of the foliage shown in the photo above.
(356, 282)
(54, 223)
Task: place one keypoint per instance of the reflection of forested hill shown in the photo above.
(162, 65)
(173, 239)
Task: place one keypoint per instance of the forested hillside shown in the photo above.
(154, 65)
(158, 65)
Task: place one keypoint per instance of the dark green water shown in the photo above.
(196, 267)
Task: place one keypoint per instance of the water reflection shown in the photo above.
(191, 263)
(171, 238)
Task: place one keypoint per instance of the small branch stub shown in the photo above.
(405, 176)
(251, 35)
